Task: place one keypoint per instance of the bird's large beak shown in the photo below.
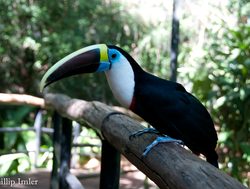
(90, 59)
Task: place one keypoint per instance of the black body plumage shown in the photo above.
(170, 109)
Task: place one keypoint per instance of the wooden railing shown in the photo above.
(168, 165)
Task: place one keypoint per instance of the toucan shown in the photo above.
(166, 105)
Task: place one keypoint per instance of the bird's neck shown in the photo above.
(121, 81)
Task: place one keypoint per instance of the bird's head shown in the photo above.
(118, 65)
(94, 58)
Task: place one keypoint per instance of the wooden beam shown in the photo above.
(21, 99)
(168, 165)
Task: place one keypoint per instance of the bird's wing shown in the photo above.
(175, 112)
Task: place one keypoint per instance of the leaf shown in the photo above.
(10, 139)
(245, 148)
(219, 102)
(223, 136)
(6, 162)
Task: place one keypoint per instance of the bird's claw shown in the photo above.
(160, 139)
(143, 131)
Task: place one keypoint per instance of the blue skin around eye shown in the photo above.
(111, 52)
(103, 66)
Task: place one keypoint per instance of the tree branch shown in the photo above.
(21, 99)
(168, 165)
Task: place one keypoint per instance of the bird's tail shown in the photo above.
(212, 158)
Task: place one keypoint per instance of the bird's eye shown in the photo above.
(113, 55)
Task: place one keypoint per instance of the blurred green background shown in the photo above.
(214, 61)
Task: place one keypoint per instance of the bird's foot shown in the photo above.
(141, 132)
(160, 139)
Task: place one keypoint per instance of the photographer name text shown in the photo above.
(19, 181)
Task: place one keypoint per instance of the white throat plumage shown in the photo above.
(121, 81)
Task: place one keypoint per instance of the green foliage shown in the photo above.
(36, 34)
(222, 81)
(14, 117)
(14, 163)
(225, 85)
(13, 142)
(231, 78)
(154, 53)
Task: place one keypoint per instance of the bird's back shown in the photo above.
(173, 111)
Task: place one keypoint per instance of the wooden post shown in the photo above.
(76, 133)
(66, 141)
(110, 167)
(54, 181)
(62, 179)
(2, 145)
(174, 40)
(38, 130)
